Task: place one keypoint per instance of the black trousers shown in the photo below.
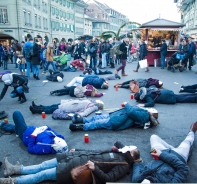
(190, 89)
(186, 98)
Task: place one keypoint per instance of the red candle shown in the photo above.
(5, 120)
(116, 88)
(122, 105)
(154, 157)
(43, 115)
(86, 138)
(132, 96)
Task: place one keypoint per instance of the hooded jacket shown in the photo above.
(28, 47)
(94, 81)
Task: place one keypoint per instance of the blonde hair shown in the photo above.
(50, 45)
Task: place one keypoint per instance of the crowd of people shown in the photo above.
(170, 163)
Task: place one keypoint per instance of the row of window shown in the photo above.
(79, 20)
(3, 15)
(37, 4)
(65, 3)
(79, 30)
(58, 26)
(61, 14)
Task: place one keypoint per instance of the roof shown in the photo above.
(162, 23)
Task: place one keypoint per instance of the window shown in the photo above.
(60, 13)
(64, 2)
(24, 15)
(60, 1)
(68, 15)
(72, 5)
(36, 22)
(39, 21)
(68, 4)
(29, 18)
(3, 15)
(45, 6)
(38, 4)
(53, 10)
(57, 11)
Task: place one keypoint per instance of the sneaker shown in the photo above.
(181, 90)
(193, 127)
(43, 73)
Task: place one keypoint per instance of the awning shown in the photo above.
(166, 29)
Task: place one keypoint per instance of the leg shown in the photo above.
(191, 87)
(186, 98)
(190, 62)
(61, 91)
(158, 143)
(46, 67)
(53, 65)
(104, 60)
(162, 61)
(37, 70)
(75, 80)
(94, 62)
(20, 125)
(124, 61)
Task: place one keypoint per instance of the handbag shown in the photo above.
(83, 175)
(18, 61)
(134, 86)
(143, 63)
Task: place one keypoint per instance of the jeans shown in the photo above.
(97, 122)
(47, 66)
(28, 63)
(35, 69)
(107, 58)
(190, 89)
(190, 62)
(38, 173)
(5, 64)
(76, 81)
(93, 62)
(162, 61)
(20, 125)
(49, 109)
(15, 58)
(22, 67)
(18, 90)
(186, 98)
(125, 85)
(123, 61)
(183, 149)
(104, 61)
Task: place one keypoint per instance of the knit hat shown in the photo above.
(7, 79)
(60, 145)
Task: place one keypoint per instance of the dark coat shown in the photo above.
(35, 59)
(163, 49)
(192, 49)
(165, 97)
(123, 48)
(81, 49)
(143, 51)
(94, 81)
(103, 172)
(92, 54)
(170, 168)
(127, 117)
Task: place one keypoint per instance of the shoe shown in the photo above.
(124, 74)
(3, 114)
(153, 121)
(77, 119)
(43, 73)
(19, 98)
(34, 76)
(52, 92)
(147, 70)
(74, 127)
(32, 110)
(23, 98)
(193, 127)
(135, 70)
(181, 90)
(23, 101)
(10, 169)
(117, 76)
(37, 78)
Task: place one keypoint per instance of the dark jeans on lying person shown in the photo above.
(186, 98)
(49, 109)
(126, 84)
(65, 91)
(190, 89)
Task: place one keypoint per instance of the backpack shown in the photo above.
(79, 91)
(117, 50)
(92, 49)
(53, 77)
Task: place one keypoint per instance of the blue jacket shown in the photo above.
(28, 47)
(165, 97)
(41, 144)
(128, 116)
(94, 81)
(170, 168)
(163, 49)
(4, 53)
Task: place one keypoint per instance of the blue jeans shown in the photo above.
(38, 173)
(22, 67)
(93, 62)
(18, 90)
(35, 69)
(104, 61)
(20, 125)
(97, 122)
(28, 63)
(50, 109)
(15, 58)
(5, 64)
(47, 66)
(163, 61)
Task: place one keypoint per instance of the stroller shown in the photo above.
(176, 62)
(61, 61)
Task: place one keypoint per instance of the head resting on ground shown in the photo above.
(160, 84)
(100, 104)
(105, 85)
(60, 145)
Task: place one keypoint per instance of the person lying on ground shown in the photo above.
(170, 163)
(3, 114)
(118, 120)
(147, 97)
(98, 83)
(142, 83)
(189, 89)
(59, 169)
(38, 140)
(65, 107)
(74, 65)
(18, 82)
(78, 91)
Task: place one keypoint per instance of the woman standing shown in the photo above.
(49, 57)
(143, 52)
(21, 60)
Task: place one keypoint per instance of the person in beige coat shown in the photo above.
(49, 57)
(20, 60)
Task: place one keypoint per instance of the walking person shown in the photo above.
(143, 52)
(35, 59)
(192, 52)
(49, 57)
(20, 59)
(170, 165)
(163, 53)
(5, 55)
(123, 57)
(103, 50)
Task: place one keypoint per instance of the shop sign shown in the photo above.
(8, 30)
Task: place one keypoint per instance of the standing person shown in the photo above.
(163, 53)
(123, 56)
(49, 57)
(92, 50)
(15, 57)
(192, 52)
(76, 50)
(22, 61)
(171, 165)
(143, 52)
(35, 59)
(1, 53)
(27, 51)
(103, 50)
(11, 50)
(185, 49)
(5, 55)
(81, 49)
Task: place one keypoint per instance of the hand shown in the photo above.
(157, 153)
(103, 93)
(125, 103)
(140, 105)
(90, 165)
(39, 130)
(72, 150)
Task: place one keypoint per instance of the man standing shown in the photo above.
(163, 53)
(103, 50)
(123, 56)
(192, 52)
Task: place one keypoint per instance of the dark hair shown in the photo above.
(18, 47)
(31, 39)
(137, 96)
(163, 40)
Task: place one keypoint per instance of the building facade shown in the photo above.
(188, 11)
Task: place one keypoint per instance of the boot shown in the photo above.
(135, 70)
(36, 110)
(193, 127)
(7, 180)
(77, 119)
(147, 69)
(74, 127)
(10, 169)
(37, 78)
(23, 100)
(34, 76)
(36, 106)
(19, 97)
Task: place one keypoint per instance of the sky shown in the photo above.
(142, 11)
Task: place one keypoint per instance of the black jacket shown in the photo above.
(95, 46)
(163, 49)
(123, 48)
(35, 59)
(143, 51)
(103, 172)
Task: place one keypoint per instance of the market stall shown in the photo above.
(156, 30)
